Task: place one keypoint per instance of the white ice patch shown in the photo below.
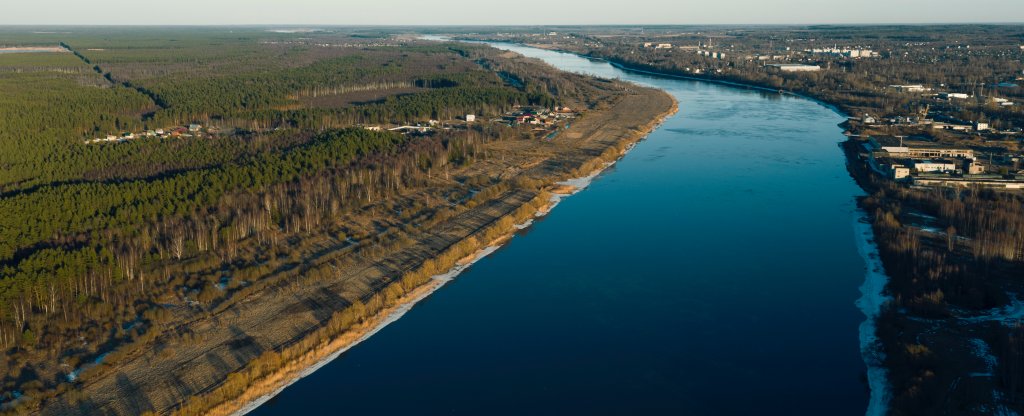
(1001, 410)
(1008, 315)
(524, 225)
(980, 349)
(870, 304)
(583, 182)
(920, 215)
(937, 231)
(73, 375)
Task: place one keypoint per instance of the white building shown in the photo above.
(930, 166)
(910, 88)
(1002, 101)
(796, 67)
(470, 118)
(900, 172)
(952, 95)
(972, 168)
(928, 152)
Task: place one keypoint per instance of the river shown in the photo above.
(713, 271)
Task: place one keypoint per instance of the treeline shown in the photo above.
(81, 208)
(447, 104)
(963, 263)
(59, 296)
(359, 313)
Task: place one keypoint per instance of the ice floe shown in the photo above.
(870, 304)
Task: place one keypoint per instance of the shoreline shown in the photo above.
(393, 313)
(873, 289)
(625, 66)
(264, 389)
(873, 297)
(378, 322)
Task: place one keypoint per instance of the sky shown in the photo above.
(507, 12)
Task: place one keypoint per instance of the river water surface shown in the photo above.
(713, 270)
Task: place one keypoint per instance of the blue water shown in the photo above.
(712, 271)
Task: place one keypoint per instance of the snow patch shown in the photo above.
(1001, 410)
(73, 375)
(583, 182)
(1008, 315)
(870, 304)
(980, 349)
(524, 225)
(920, 215)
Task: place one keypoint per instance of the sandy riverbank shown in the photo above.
(267, 387)
(316, 359)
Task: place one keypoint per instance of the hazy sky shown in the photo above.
(486, 12)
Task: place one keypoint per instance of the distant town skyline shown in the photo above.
(521, 12)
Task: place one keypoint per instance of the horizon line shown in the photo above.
(517, 25)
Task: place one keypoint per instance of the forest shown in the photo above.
(97, 239)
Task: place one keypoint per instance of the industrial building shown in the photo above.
(910, 88)
(796, 67)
